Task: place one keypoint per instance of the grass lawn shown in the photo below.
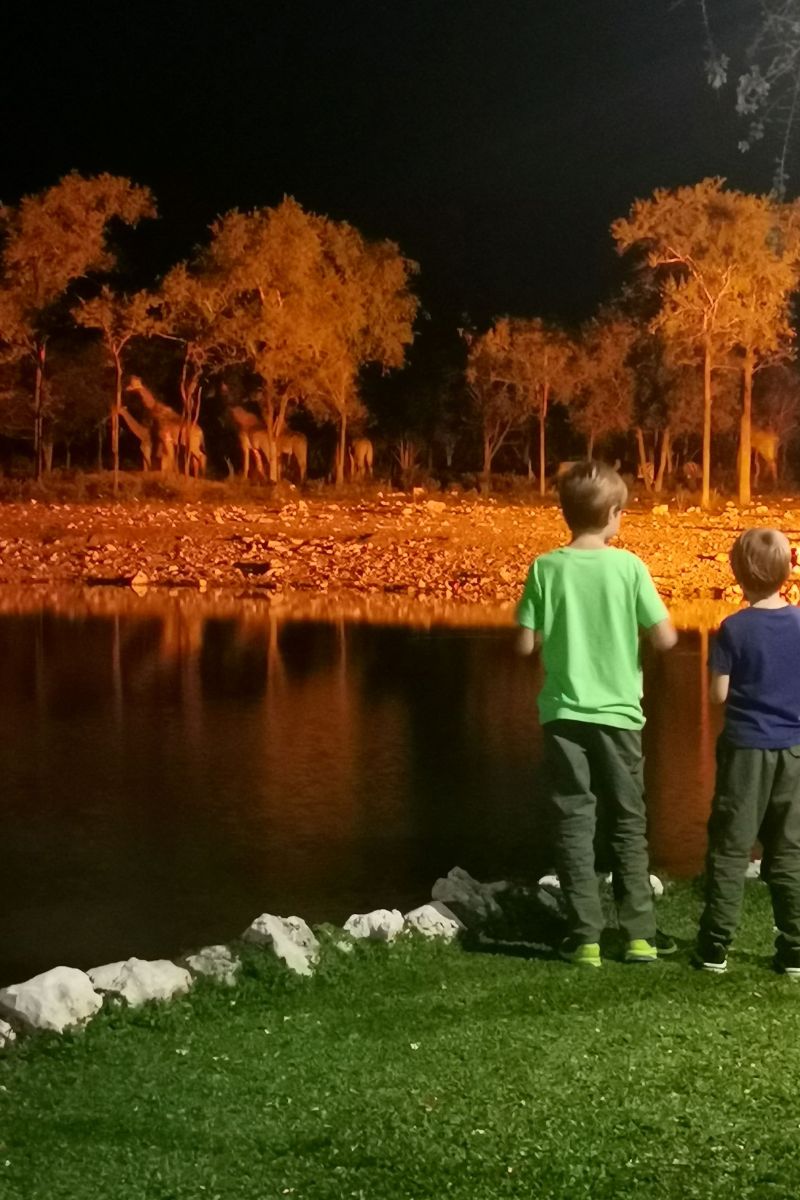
(425, 1071)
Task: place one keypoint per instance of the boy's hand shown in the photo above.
(662, 636)
(528, 641)
(718, 688)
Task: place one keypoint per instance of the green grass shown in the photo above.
(425, 1071)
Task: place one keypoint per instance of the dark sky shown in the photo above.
(495, 140)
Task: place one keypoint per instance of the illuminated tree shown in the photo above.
(268, 262)
(190, 308)
(311, 302)
(490, 381)
(604, 382)
(726, 268)
(49, 241)
(365, 316)
(118, 319)
(514, 370)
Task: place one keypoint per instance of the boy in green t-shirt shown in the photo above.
(584, 605)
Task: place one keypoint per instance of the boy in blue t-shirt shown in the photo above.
(755, 672)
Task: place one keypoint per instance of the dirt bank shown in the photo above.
(441, 552)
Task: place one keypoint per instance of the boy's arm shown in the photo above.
(652, 614)
(662, 635)
(718, 688)
(529, 637)
(528, 640)
(720, 661)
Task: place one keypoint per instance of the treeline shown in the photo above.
(284, 312)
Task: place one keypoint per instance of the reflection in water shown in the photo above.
(169, 776)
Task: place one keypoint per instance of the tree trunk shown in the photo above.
(542, 418)
(100, 433)
(487, 458)
(643, 463)
(115, 418)
(745, 453)
(590, 446)
(38, 398)
(663, 460)
(706, 495)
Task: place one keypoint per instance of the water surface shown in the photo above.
(167, 777)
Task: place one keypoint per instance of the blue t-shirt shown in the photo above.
(759, 648)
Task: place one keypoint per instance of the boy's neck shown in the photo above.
(773, 600)
(590, 539)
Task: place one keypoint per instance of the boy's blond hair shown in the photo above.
(761, 560)
(587, 493)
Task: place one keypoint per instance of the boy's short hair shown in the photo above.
(761, 559)
(587, 492)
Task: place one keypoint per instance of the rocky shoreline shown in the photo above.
(391, 549)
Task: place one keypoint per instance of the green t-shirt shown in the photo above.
(588, 606)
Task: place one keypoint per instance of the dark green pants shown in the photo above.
(596, 772)
(757, 797)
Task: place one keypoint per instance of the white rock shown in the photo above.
(215, 962)
(459, 890)
(7, 1035)
(54, 1000)
(753, 869)
(660, 510)
(138, 980)
(289, 937)
(550, 881)
(381, 925)
(656, 885)
(435, 921)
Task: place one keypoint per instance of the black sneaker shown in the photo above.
(710, 956)
(787, 962)
(664, 944)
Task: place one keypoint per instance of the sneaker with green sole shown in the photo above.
(641, 950)
(582, 954)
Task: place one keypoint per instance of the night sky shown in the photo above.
(495, 140)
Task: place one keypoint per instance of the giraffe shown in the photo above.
(254, 440)
(143, 434)
(360, 452)
(764, 444)
(172, 436)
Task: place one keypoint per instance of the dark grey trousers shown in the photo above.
(596, 772)
(757, 797)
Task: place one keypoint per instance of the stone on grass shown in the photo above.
(214, 962)
(470, 900)
(138, 980)
(7, 1035)
(435, 920)
(550, 881)
(381, 925)
(55, 1000)
(289, 937)
(753, 869)
(656, 885)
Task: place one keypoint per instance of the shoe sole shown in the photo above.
(580, 962)
(641, 958)
(714, 968)
(789, 972)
